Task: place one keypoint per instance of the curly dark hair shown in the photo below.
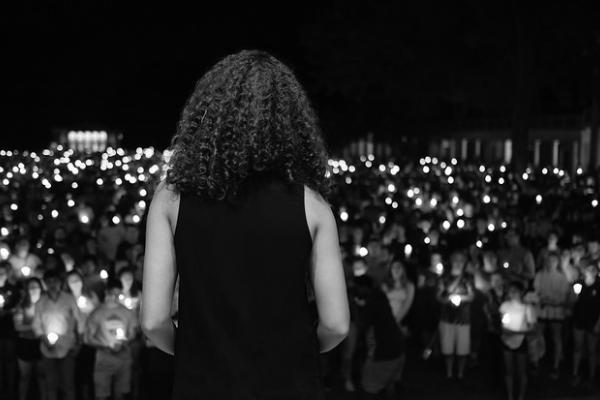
(248, 116)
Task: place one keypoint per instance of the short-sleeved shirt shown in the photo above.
(109, 324)
(60, 316)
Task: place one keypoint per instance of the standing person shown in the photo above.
(553, 290)
(401, 294)
(28, 345)
(58, 322)
(130, 297)
(9, 298)
(517, 261)
(243, 213)
(586, 322)
(110, 329)
(455, 293)
(383, 337)
(518, 319)
(87, 301)
(24, 263)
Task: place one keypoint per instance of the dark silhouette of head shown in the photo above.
(247, 117)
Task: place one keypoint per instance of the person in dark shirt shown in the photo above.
(586, 321)
(9, 298)
(383, 336)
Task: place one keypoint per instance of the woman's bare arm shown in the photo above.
(160, 270)
(327, 272)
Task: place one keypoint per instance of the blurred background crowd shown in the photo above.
(462, 271)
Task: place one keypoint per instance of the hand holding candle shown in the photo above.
(52, 338)
(455, 299)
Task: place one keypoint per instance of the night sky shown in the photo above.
(394, 69)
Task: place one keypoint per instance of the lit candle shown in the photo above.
(120, 334)
(363, 252)
(455, 299)
(2, 301)
(439, 268)
(82, 302)
(577, 288)
(103, 274)
(52, 338)
(25, 270)
(505, 264)
(408, 250)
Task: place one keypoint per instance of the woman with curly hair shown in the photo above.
(242, 219)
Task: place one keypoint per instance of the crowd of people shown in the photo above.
(474, 264)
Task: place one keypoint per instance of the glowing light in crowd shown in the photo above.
(381, 168)
(501, 181)
(455, 200)
(426, 169)
(136, 218)
(486, 199)
(538, 199)
(74, 185)
(479, 244)
(344, 216)
(52, 338)
(391, 187)
(488, 178)
(455, 299)
(503, 224)
(116, 220)
(460, 223)
(120, 334)
(454, 161)
(446, 224)
(25, 270)
(505, 265)
(143, 192)
(439, 268)
(348, 180)
(368, 164)
(448, 171)
(595, 203)
(50, 250)
(142, 204)
(99, 181)
(82, 302)
(555, 171)
(363, 251)
(70, 203)
(84, 218)
(579, 171)
(395, 204)
(502, 169)
(482, 169)
(505, 319)
(14, 207)
(388, 200)
(577, 288)
(544, 171)
(450, 180)
(382, 219)
(433, 202)
(103, 274)
(491, 227)
(460, 212)
(54, 213)
(408, 249)
(410, 193)
(4, 231)
(2, 301)
(525, 176)
(419, 201)
(427, 240)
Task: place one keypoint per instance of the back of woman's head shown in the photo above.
(247, 116)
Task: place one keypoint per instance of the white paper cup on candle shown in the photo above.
(455, 299)
(52, 338)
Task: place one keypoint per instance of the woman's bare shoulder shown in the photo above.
(166, 200)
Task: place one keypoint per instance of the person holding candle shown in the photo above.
(28, 345)
(553, 290)
(110, 329)
(130, 297)
(516, 260)
(9, 298)
(455, 293)
(400, 292)
(518, 319)
(586, 321)
(59, 323)
(24, 263)
(87, 301)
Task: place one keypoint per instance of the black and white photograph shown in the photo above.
(333, 200)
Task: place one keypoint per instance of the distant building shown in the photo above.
(88, 140)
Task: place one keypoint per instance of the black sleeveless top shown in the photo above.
(246, 329)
